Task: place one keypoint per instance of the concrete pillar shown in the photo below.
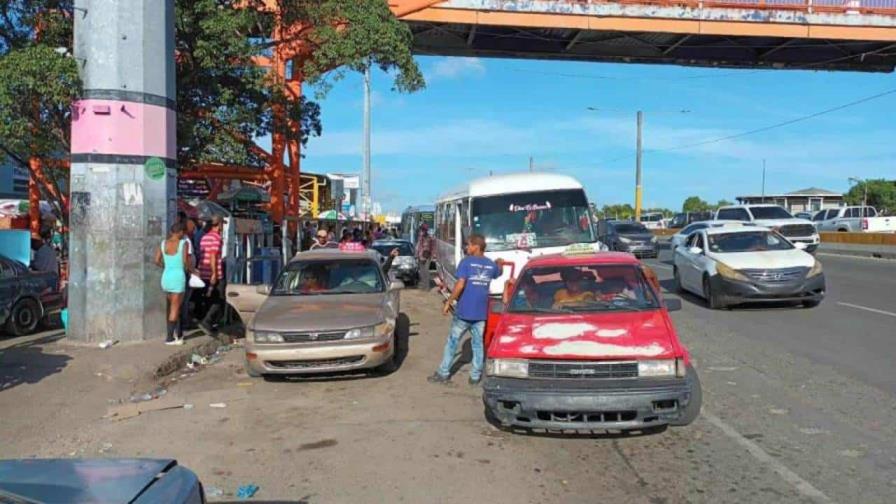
(123, 151)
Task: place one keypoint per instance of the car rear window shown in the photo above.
(630, 228)
(385, 249)
(769, 212)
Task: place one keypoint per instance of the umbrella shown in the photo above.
(245, 194)
(205, 210)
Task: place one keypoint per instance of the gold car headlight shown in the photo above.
(730, 273)
(267, 337)
(509, 368)
(816, 269)
(378, 331)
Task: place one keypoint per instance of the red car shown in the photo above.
(585, 343)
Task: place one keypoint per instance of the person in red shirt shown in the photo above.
(211, 270)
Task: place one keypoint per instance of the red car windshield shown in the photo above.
(590, 288)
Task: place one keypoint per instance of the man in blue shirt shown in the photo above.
(474, 274)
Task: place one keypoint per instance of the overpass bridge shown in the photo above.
(855, 35)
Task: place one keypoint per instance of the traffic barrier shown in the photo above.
(846, 238)
(860, 238)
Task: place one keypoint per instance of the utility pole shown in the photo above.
(763, 180)
(638, 169)
(531, 164)
(366, 197)
(122, 177)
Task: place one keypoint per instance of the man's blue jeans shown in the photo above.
(458, 328)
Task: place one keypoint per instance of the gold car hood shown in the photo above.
(320, 313)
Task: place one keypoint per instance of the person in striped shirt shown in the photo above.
(211, 270)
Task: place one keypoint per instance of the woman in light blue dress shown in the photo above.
(174, 257)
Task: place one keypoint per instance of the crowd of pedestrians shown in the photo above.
(193, 276)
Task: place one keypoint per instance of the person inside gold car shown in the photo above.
(573, 291)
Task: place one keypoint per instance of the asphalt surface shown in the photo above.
(798, 407)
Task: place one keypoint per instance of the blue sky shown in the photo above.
(481, 115)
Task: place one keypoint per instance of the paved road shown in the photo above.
(790, 415)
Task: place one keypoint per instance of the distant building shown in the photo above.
(13, 181)
(804, 200)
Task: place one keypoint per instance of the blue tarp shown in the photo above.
(16, 244)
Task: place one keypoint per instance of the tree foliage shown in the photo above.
(881, 195)
(623, 211)
(223, 99)
(695, 204)
(350, 35)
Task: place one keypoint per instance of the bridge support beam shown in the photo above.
(123, 153)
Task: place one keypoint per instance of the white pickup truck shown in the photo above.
(855, 219)
(774, 217)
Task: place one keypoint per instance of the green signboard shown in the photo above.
(154, 168)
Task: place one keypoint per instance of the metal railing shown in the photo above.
(885, 7)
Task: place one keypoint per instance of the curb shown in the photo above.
(204, 346)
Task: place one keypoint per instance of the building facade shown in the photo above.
(13, 181)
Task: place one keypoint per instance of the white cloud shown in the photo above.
(791, 151)
(455, 67)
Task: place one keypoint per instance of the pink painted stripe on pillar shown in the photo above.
(123, 128)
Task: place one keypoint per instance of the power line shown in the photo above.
(780, 124)
(762, 129)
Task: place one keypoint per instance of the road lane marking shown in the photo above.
(658, 265)
(802, 486)
(860, 307)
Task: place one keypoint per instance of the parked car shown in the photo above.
(728, 266)
(804, 215)
(653, 220)
(404, 266)
(585, 342)
(774, 217)
(682, 219)
(330, 310)
(138, 481)
(628, 236)
(854, 219)
(26, 297)
(679, 238)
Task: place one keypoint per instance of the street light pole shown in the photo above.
(367, 198)
(763, 180)
(638, 191)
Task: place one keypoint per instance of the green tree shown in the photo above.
(881, 195)
(623, 211)
(224, 99)
(38, 82)
(721, 203)
(694, 204)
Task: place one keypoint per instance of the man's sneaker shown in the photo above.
(178, 341)
(474, 381)
(171, 342)
(437, 378)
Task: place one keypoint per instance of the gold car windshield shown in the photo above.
(346, 276)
